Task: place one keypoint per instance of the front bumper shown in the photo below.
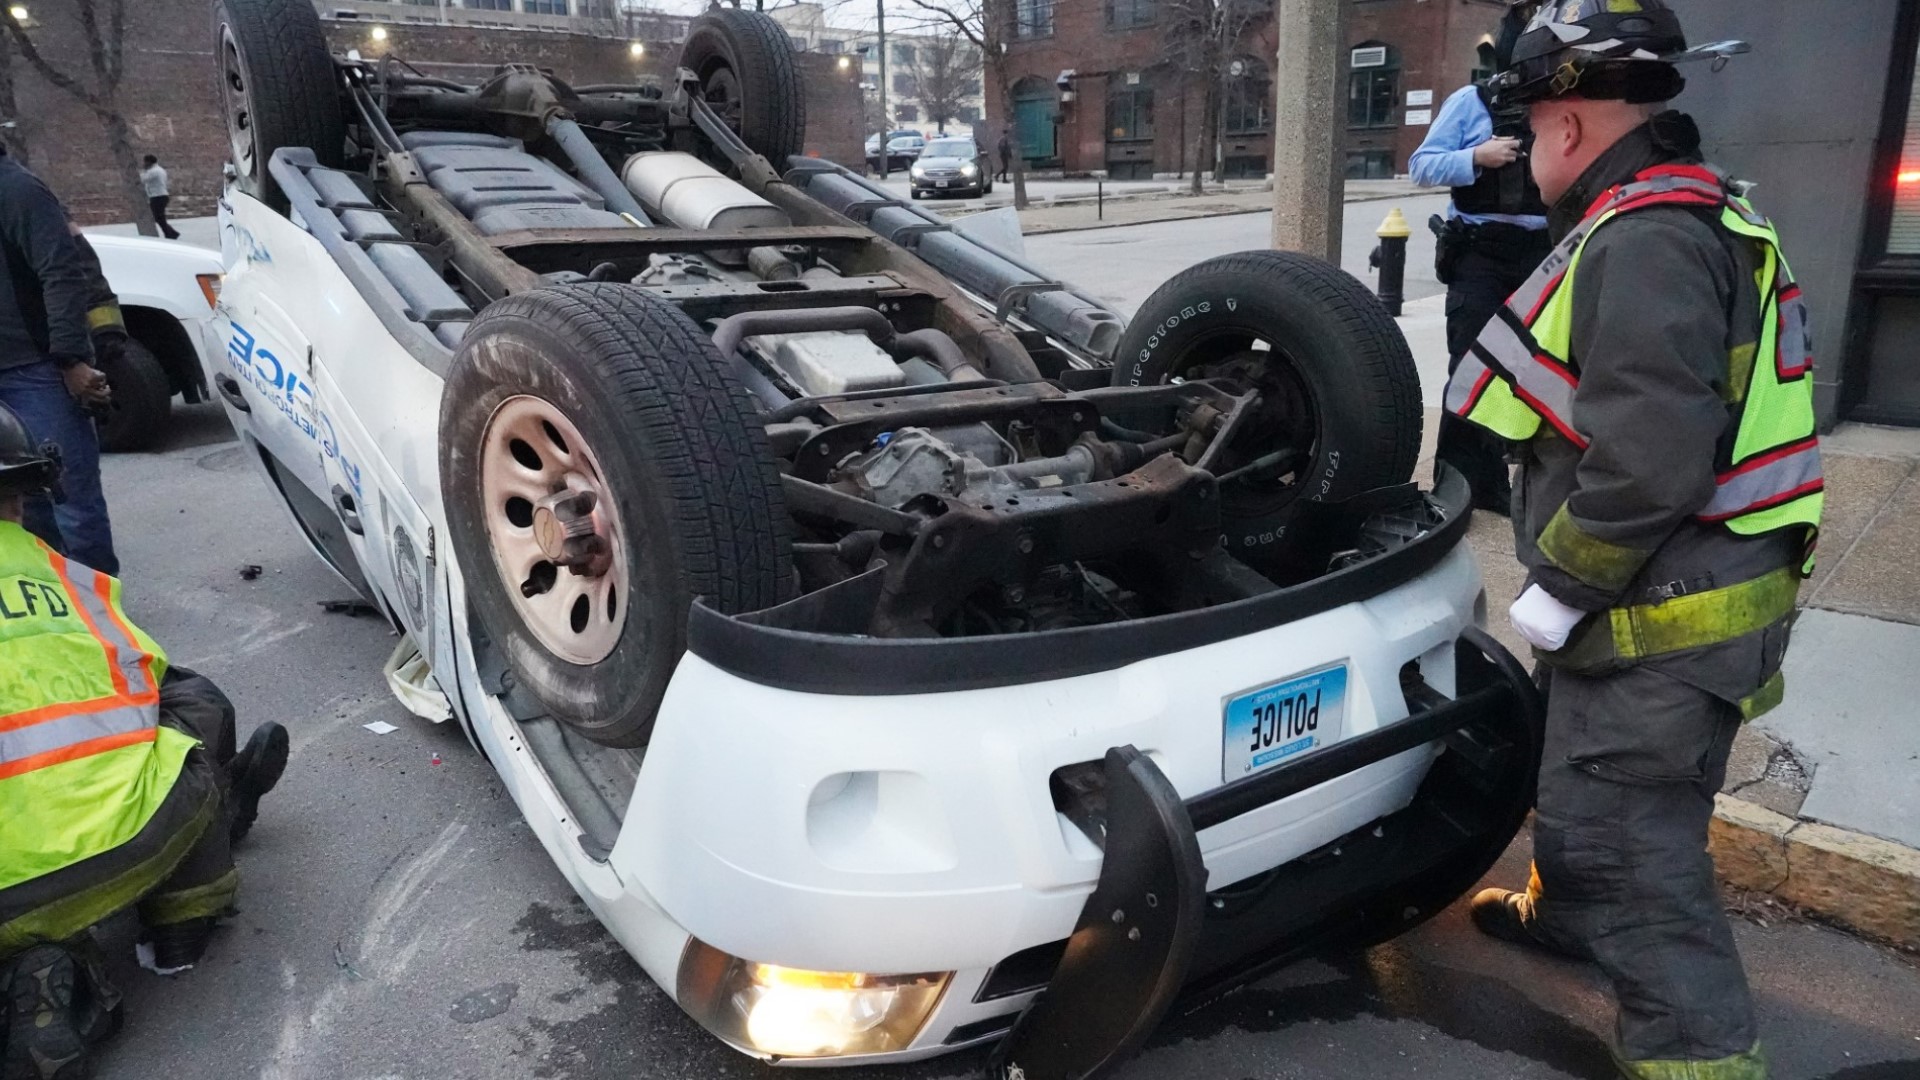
(1151, 936)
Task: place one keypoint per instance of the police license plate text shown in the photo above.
(1283, 721)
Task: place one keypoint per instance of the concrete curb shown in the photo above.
(1860, 882)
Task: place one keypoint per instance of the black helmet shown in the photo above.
(1605, 49)
(25, 468)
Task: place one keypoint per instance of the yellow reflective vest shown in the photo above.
(1521, 372)
(84, 760)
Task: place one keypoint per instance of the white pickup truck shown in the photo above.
(167, 291)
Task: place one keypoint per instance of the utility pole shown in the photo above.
(885, 118)
(1308, 169)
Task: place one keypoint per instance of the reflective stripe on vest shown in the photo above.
(1520, 372)
(62, 702)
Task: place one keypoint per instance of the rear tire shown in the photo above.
(627, 397)
(1338, 383)
(277, 88)
(142, 401)
(745, 63)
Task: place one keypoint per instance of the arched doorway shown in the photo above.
(1037, 111)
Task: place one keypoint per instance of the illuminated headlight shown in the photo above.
(918, 171)
(787, 1012)
(968, 169)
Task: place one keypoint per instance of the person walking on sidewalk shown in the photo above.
(119, 786)
(1006, 158)
(154, 179)
(1494, 234)
(1654, 374)
(47, 372)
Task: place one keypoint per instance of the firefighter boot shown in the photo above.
(1510, 916)
(253, 772)
(41, 1041)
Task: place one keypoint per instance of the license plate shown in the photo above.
(939, 183)
(1282, 722)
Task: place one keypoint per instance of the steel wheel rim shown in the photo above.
(577, 616)
(236, 99)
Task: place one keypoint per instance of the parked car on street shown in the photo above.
(903, 147)
(167, 291)
(896, 648)
(950, 166)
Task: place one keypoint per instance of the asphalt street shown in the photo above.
(399, 921)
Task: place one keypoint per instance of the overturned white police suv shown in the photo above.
(898, 649)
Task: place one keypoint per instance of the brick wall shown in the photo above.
(1433, 42)
(170, 98)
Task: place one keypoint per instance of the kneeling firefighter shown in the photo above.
(1654, 380)
(119, 787)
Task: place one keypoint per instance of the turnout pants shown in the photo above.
(179, 867)
(1621, 872)
(1494, 261)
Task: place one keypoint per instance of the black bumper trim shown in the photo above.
(1109, 989)
(863, 666)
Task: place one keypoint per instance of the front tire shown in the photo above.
(1340, 397)
(601, 388)
(142, 402)
(277, 88)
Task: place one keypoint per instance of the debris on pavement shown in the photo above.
(249, 572)
(380, 727)
(355, 606)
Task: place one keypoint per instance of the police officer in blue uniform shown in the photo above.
(1494, 234)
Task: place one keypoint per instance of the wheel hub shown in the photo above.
(563, 526)
(548, 509)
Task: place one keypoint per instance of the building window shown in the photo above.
(969, 87)
(1129, 110)
(1370, 164)
(1247, 107)
(490, 5)
(1485, 66)
(903, 54)
(907, 114)
(968, 114)
(1033, 18)
(544, 7)
(1373, 88)
(832, 45)
(1903, 231)
(1127, 14)
(906, 85)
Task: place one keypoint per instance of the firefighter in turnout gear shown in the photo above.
(1653, 379)
(119, 786)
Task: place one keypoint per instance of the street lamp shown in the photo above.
(846, 62)
(636, 50)
(19, 13)
(379, 33)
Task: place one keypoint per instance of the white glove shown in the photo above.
(1542, 620)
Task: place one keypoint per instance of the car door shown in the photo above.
(264, 373)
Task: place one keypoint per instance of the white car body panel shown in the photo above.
(734, 839)
(163, 275)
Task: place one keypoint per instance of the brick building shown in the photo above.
(1096, 85)
(168, 93)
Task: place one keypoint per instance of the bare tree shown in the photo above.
(947, 70)
(105, 41)
(12, 135)
(1202, 38)
(987, 25)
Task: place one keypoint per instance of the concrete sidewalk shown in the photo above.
(1172, 202)
(1822, 804)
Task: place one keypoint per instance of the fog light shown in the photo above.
(788, 1012)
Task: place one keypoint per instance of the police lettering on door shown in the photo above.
(289, 394)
